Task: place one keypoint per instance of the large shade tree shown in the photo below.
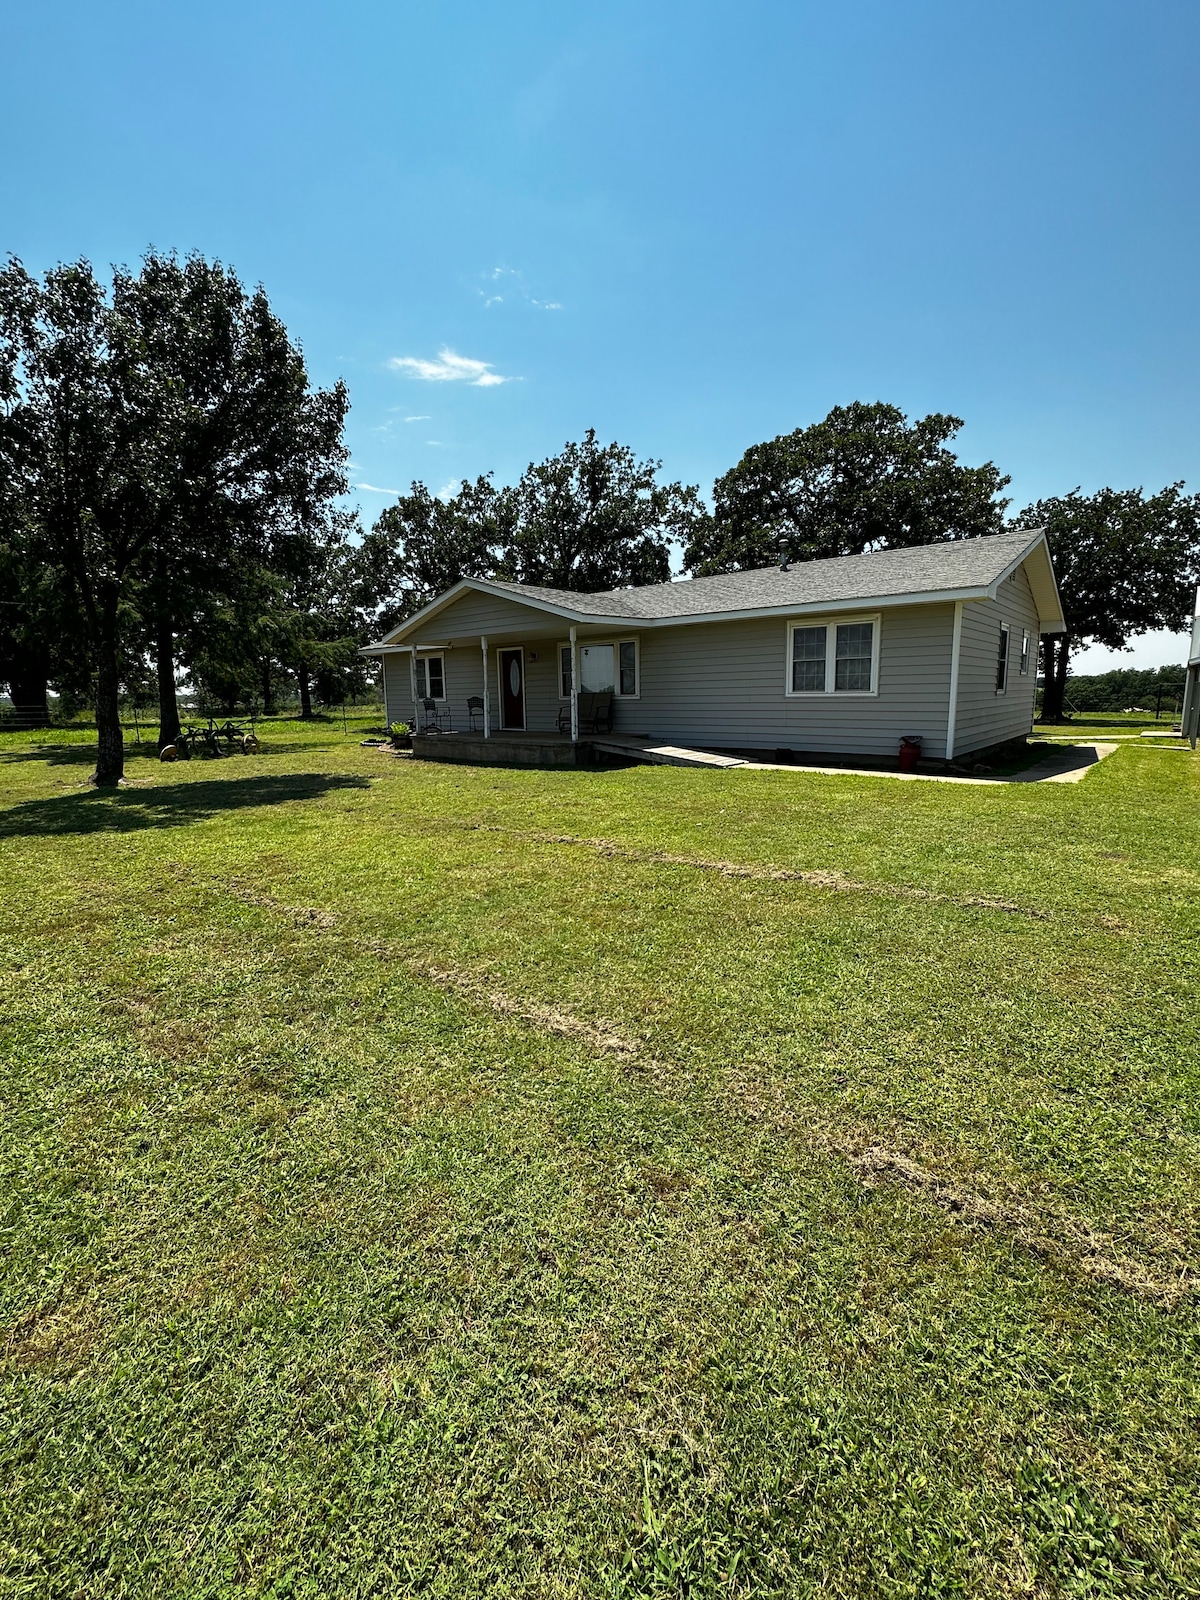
(163, 437)
(863, 478)
(1126, 562)
(424, 544)
(592, 517)
(595, 517)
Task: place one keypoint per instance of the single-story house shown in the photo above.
(841, 657)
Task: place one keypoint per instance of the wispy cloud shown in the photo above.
(373, 488)
(512, 283)
(449, 368)
(424, 417)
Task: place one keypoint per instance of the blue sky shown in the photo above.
(689, 226)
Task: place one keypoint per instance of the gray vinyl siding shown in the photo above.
(474, 613)
(464, 677)
(724, 684)
(397, 695)
(985, 717)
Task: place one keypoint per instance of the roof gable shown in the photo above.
(957, 569)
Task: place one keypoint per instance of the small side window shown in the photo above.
(564, 672)
(1002, 660)
(1026, 643)
(627, 670)
(431, 677)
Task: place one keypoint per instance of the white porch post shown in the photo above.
(487, 709)
(955, 651)
(574, 690)
(412, 678)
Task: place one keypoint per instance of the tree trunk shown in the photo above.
(305, 694)
(1060, 676)
(110, 757)
(168, 701)
(1054, 651)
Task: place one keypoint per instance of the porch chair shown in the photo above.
(595, 712)
(474, 709)
(434, 720)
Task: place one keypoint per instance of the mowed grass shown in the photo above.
(445, 1181)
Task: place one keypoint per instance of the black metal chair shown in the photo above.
(474, 709)
(435, 720)
(595, 712)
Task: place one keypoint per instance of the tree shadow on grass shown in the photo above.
(84, 755)
(166, 805)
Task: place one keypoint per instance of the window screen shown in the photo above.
(808, 659)
(564, 670)
(852, 662)
(1002, 662)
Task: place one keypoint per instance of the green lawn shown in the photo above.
(447, 1181)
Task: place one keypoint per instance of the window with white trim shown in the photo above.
(833, 656)
(1026, 645)
(431, 677)
(605, 666)
(1002, 660)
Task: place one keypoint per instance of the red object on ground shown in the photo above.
(910, 754)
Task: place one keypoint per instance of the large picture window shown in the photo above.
(605, 666)
(832, 656)
(431, 677)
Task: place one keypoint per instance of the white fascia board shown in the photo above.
(800, 608)
(482, 586)
(1041, 580)
(431, 610)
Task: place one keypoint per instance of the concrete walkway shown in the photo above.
(1066, 764)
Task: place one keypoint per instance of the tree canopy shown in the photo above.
(1126, 562)
(864, 478)
(595, 517)
(156, 440)
(592, 517)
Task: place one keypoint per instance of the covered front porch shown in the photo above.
(546, 688)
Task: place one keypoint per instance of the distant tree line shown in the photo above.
(171, 501)
(1127, 687)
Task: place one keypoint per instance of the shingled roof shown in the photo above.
(923, 569)
(951, 569)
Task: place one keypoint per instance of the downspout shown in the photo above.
(412, 678)
(487, 699)
(574, 690)
(955, 650)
